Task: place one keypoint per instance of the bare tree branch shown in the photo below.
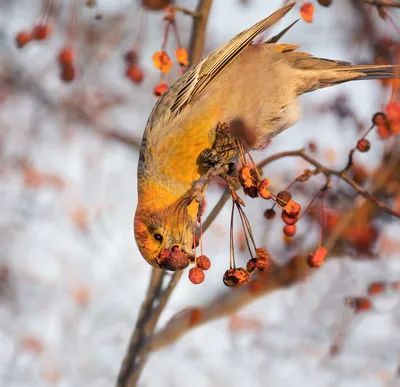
(383, 3)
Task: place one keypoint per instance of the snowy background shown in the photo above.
(71, 277)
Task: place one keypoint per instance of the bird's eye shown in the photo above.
(158, 237)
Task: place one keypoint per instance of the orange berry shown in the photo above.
(41, 31)
(66, 56)
(289, 230)
(236, 277)
(307, 12)
(68, 73)
(317, 259)
(262, 189)
(292, 208)
(135, 74)
(182, 56)
(251, 265)
(196, 275)
(160, 89)
(162, 61)
(203, 262)
(23, 38)
(363, 145)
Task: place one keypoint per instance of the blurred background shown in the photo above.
(71, 277)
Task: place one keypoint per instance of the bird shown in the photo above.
(255, 84)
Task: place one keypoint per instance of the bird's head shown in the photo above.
(165, 235)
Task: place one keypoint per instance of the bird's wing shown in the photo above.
(207, 70)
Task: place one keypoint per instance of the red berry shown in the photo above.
(23, 38)
(290, 220)
(66, 56)
(160, 89)
(317, 259)
(135, 74)
(251, 265)
(289, 230)
(68, 73)
(196, 275)
(203, 262)
(41, 31)
(363, 145)
(379, 119)
(172, 260)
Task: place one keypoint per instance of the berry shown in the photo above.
(41, 32)
(236, 277)
(160, 89)
(135, 74)
(363, 145)
(155, 5)
(131, 57)
(283, 198)
(290, 220)
(379, 119)
(307, 12)
(196, 275)
(376, 288)
(203, 262)
(262, 189)
(289, 230)
(249, 180)
(325, 3)
(66, 56)
(292, 208)
(251, 265)
(68, 73)
(182, 56)
(23, 38)
(317, 259)
(172, 260)
(269, 213)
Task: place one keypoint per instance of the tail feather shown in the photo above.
(372, 71)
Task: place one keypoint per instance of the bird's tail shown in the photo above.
(319, 73)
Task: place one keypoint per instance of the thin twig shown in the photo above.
(383, 3)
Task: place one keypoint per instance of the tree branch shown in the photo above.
(383, 3)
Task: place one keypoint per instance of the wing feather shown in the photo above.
(206, 71)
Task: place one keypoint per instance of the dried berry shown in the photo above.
(249, 180)
(263, 189)
(23, 38)
(290, 220)
(289, 230)
(196, 275)
(131, 57)
(363, 145)
(236, 277)
(262, 264)
(383, 132)
(172, 260)
(307, 12)
(203, 262)
(261, 254)
(269, 213)
(68, 73)
(317, 259)
(251, 265)
(135, 73)
(293, 208)
(155, 5)
(283, 198)
(325, 3)
(160, 89)
(379, 119)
